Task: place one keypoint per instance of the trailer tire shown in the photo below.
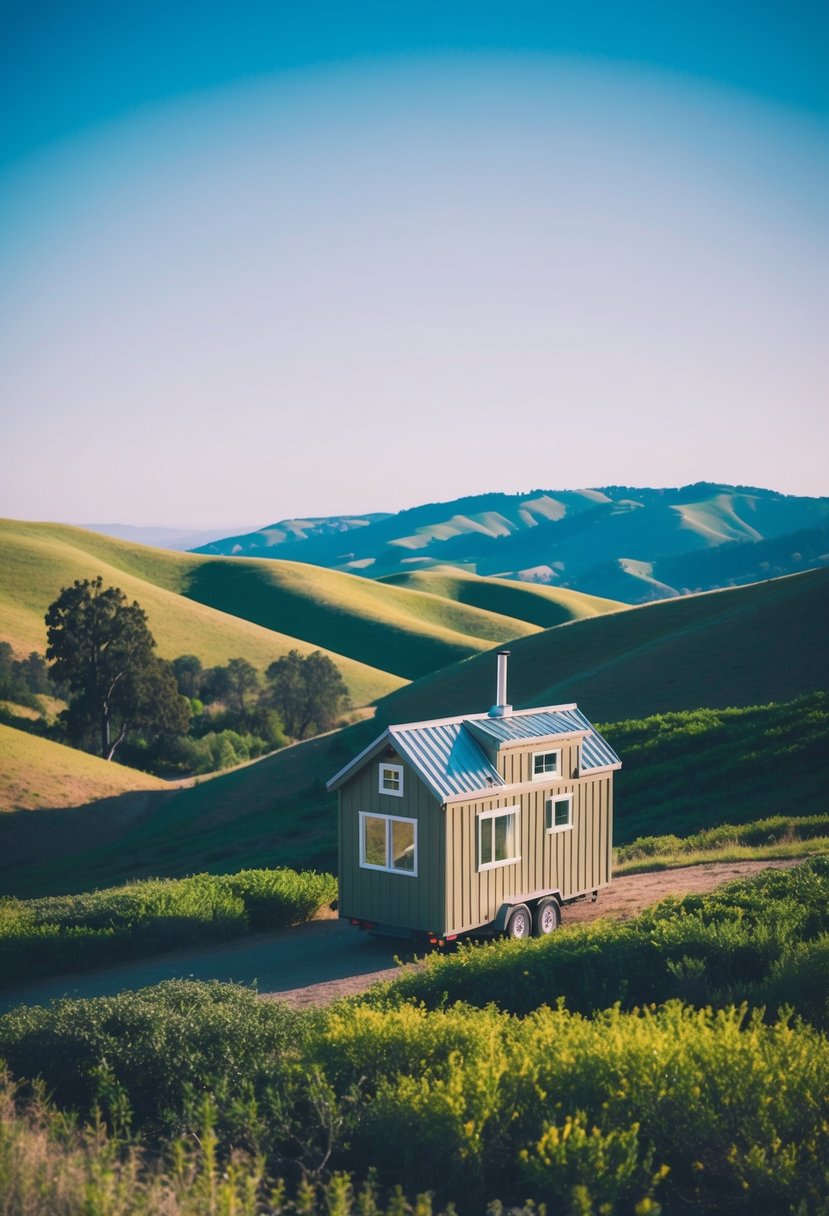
(547, 917)
(519, 923)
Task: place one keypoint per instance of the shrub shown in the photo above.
(706, 948)
(74, 932)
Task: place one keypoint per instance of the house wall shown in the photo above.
(515, 763)
(412, 902)
(572, 861)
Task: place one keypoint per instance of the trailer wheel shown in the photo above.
(519, 923)
(547, 917)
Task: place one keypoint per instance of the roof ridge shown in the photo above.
(456, 718)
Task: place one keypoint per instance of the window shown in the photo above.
(388, 842)
(497, 838)
(546, 765)
(391, 779)
(559, 812)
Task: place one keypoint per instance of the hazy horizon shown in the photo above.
(278, 267)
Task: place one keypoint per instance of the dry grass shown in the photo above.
(38, 773)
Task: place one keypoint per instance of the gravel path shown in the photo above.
(326, 959)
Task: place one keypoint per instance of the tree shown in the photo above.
(101, 649)
(242, 687)
(307, 693)
(188, 672)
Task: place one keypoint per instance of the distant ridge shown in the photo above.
(620, 542)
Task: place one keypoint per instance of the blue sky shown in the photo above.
(259, 262)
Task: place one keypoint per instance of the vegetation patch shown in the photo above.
(649, 1109)
(77, 932)
(734, 944)
(779, 836)
(697, 768)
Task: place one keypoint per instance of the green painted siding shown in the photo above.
(390, 898)
(572, 861)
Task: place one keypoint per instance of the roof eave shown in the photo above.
(339, 778)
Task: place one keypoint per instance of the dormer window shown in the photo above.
(391, 779)
(546, 765)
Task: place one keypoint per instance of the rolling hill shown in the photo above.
(540, 605)
(217, 608)
(39, 559)
(741, 647)
(616, 541)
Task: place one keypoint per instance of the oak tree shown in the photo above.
(101, 649)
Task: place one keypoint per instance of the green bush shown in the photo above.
(159, 1046)
(75, 932)
(717, 948)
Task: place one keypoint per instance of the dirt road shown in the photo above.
(326, 959)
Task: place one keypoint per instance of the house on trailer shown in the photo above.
(479, 824)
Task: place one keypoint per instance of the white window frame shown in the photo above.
(391, 768)
(488, 816)
(387, 868)
(549, 751)
(558, 827)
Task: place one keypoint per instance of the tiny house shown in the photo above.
(482, 824)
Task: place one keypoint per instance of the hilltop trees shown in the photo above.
(308, 693)
(102, 650)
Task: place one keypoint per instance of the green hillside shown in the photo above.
(222, 607)
(747, 645)
(743, 647)
(541, 605)
(39, 559)
(55, 800)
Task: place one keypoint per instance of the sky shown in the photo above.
(266, 260)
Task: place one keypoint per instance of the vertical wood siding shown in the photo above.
(515, 763)
(392, 899)
(572, 861)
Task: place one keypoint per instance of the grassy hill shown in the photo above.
(38, 773)
(55, 800)
(220, 607)
(541, 605)
(39, 559)
(744, 647)
(615, 541)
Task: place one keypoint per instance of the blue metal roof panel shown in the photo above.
(596, 752)
(447, 757)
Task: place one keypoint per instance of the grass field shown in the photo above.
(743, 646)
(222, 607)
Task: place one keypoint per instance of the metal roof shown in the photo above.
(539, 725)
(451, 761)
(446, 757)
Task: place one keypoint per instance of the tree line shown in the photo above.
(126, 703)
